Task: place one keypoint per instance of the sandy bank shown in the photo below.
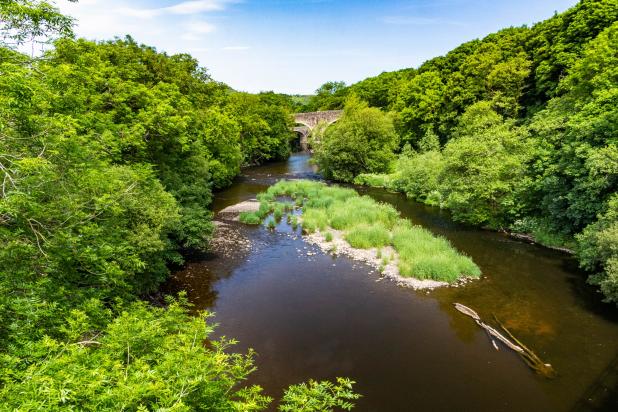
(233, 212)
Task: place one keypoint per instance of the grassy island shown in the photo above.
(365, 224)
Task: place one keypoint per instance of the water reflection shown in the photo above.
(314, 316)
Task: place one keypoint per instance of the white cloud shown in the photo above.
(197, 6)
(201, 27)
(137, 13)
(183, 8)
(195, 30)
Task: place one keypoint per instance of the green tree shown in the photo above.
(362, 141)
(32, 21)
(598, 251)
(265, 122)
(485, 173)
(419, 176)
(419, 104)
(330, 96)
(150, 359)
(578, 131)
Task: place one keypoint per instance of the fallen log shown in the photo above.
(529, 357)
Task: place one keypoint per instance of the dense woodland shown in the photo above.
(516, 132)
(109, 155)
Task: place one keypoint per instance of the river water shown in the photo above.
(311, 315)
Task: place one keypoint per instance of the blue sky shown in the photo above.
(294, 46)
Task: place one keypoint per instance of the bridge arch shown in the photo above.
(306, 122)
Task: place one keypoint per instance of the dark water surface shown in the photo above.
(320, 317)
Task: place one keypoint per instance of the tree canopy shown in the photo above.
(109, 153)
(515, 131)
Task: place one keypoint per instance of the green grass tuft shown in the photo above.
(368, 236)
(278, 211)
(368, 224)
(425, 256)
(250, 218)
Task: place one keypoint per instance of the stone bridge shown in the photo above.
(306, 122)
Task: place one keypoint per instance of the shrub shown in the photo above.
(374, 180)
(319, 397)
(598, 251)
(418, 175)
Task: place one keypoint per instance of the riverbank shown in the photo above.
(385, 182)
(309, 313)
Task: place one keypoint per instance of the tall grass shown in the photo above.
(314, 219)
(364, 236)
(367, 224)
(250, 218)
(425, 256)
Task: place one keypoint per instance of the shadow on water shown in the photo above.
(310, 315)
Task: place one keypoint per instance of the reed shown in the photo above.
(366, 224)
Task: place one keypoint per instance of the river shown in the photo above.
(311, 315)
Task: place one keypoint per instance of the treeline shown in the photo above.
(516, 132)
(109, 153)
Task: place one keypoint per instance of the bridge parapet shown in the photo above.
(311, 119)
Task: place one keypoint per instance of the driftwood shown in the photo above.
(531, 359)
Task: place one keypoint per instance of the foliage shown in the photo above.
(330, 96)
(148, 359)
(319, 396)
(373, 180)
(578, 133)
(557, 43)
(368, 224)
(32, 20)
(485, 173)
(417, 104)
(419, 176)
(108, 153)
(145, 359)
(362, 141)
(598, 250)
(525, 121)
(265, 126)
